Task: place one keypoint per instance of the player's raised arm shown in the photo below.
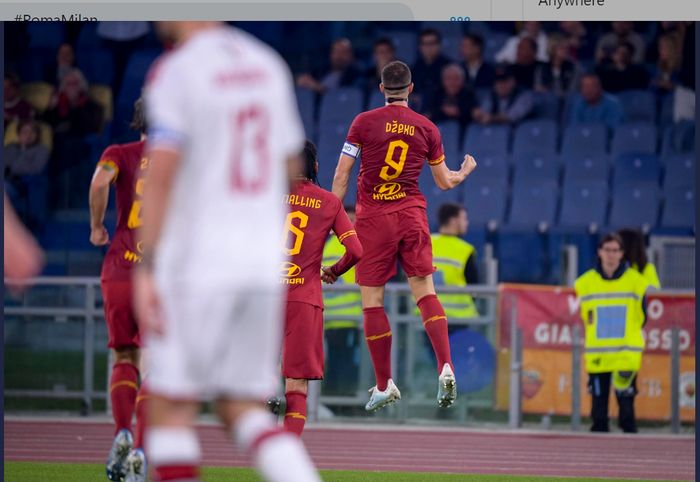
(447, 179)
(105, 174)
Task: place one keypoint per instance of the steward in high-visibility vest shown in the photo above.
(339, 303)
(613, 309)
(455, 260)
(636, 255)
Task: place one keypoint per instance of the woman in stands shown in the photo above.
(636, 255)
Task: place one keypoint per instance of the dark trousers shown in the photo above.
(599, 388)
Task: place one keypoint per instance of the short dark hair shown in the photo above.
(384, 41)
(430, 31)
(309, 154)
(396, 74)
(477, 40)
(635, 251)
(139, 122)
(611, 237)
(448, 211)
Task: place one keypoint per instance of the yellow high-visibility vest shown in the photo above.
(613, 317)
(338, 304)
(450, 255)
(650, 274)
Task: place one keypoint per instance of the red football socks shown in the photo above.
(172, 473)
(378, 336)
(435, 323)
(141, 411)
(122, 390)
(295, 414)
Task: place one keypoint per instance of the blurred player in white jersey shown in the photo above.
(224, 129)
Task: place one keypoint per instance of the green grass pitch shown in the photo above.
(42, 472)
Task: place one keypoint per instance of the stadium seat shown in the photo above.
(97, 65)
(584, 140)
(546, 106)
(485, 201)
(306, 100)
(678, 138)
(586, 169)
(134, 77)
(635, 138)
(340, 105)
(666, 112)
(331, 138)
(680, 171)
(435, 196)
(583, 203)
(493, 139)
(446, 29)
(46, 35)
(493, 43)
(535, 136)
(522, 255)
(490, 167)
(638, 105)
(529, 167)
(45, 135)
(534, 202)
(635, 205)
(568, 105)
(406, 44)
(636, 167)
(88, 38)
(679, 208)
(376, 100)
(38, 94)
(450, 133)
(102, 94)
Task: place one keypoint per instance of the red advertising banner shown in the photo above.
(546, 316)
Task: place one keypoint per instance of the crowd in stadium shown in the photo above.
(576, 126)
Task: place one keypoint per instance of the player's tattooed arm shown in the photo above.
(342, 176)
(104, 175)
(447, 179)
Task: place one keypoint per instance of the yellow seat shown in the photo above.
(38, 94)
(45, 134)
(102, 94)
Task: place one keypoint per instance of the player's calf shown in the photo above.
(295, 413)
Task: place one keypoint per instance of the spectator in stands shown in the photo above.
(16, 108)
(580, 41)
(668, 66)
(507, 103)
(561, 75)
(621, 73)
(452, 100)
(123, 39)
(428, 69)
(343, 71)
(636, 255)
(533, 30)
(65, 62)
(479, 73)
(383, 53)
(526, 67)
(622, 33)
(593, 105)
(664, 28)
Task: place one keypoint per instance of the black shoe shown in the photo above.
(272, 404)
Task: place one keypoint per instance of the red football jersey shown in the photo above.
(395, 141)
(313, 213)
(124, 251)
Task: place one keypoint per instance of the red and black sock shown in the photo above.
(123, 387)
(435, 323)
(295, 414)
(378, 336)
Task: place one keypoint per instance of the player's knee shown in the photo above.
(297, 385)
(127, 355)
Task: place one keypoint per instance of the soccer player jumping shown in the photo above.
(391, 223)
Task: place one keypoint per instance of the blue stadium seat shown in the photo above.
(530, 167)
(534, 202)
(680, 171)
(490, 167)
(635, 205)
(306, 100)
(435, 196)
(568, 105)
(493, 43)
(585, 243)
(493, 139)
(376, 100)
(46, 35)
(679, 208)
(666, 113)
(679, 138)
(535, 136)
(636, 167)
(134, 77)
(406, 44)
(584, 140)
(586, 169)
(88, 38)
(546, 106)
(331, 138)
(485, 201)
(638, 105)
(446, 29)
(340, 105)
(450, 133)
(522, 255)
(583, 203)
(636, 137)
(97, 65)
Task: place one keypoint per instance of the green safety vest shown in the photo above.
(338, 304)
(450, 255)
(613, 317)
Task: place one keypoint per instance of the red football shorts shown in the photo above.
(302, 351)
(121, 323)
(402, 235)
